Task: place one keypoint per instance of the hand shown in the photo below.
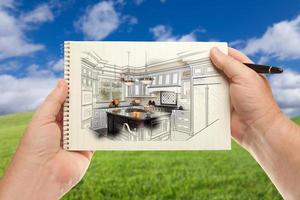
(40, 168)
(258, 124)
(253, 105)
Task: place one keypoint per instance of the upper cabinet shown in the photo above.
(86, 78)
(160, 79)
(175, 78)
(166, 79)
(137, 89)
(205, 69)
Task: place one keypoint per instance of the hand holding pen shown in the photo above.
(257, 122)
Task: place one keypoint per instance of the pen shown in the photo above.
(264, 68)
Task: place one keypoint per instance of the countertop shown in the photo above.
(138, 115)
(168, 106)
(107, 107)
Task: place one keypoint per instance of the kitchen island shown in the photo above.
(138, 125)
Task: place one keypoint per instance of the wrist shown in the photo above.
(276, 148)
(27, 179)
(261, 132)
(258, 131)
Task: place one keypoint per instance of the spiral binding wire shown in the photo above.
(66, 118)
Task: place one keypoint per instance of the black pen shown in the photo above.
(264, 68)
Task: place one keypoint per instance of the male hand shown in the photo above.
(41, 168)
(258, 124)
(251, 97)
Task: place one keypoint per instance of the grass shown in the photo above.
(297, 120)
(157, 175)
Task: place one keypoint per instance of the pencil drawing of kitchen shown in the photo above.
(171, 98)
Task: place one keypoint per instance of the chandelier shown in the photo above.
(146, 80)
(128, 80)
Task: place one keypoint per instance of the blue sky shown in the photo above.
(31, 33)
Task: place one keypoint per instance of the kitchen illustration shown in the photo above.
(172, 98)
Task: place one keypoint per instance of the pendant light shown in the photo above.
(146, 80)
(128, 80)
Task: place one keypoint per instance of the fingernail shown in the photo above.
(216, 51)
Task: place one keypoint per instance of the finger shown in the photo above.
(53, 103)
(241, 57)
(238, 55)
(232, 68)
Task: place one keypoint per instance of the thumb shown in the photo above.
(50, 108)
(232, 68)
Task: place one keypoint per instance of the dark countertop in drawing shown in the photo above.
(139, 116)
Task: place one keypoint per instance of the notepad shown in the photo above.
(145, 96)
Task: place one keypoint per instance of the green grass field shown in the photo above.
(157, 175)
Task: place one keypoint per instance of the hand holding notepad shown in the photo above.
(40, 167)
(260, 127)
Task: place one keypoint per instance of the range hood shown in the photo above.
(176, 89)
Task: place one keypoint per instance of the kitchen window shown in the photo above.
(110, 89)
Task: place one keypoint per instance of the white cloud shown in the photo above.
(9, 66)
(26, 93)
(35, 71)
(131, 20)
(99, 21)
(58, 65)
(7, 3)
(40, 14)
(188, 37)
(139, 2)
(13, 40)
(23, 94)
(165, 33)
(280, 41)
(287, 92)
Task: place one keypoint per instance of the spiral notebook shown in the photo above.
(145, 96)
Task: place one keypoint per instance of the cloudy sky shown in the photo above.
(31, 34)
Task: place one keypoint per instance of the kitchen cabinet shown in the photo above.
(185, 89)
(200, 105)
(182, 120)
(154, 82)
(96, 122)
(137, 89)
(99, 120)
(175, 78)
(160, 129)
(206, 105)
(87, 93)
(160, 79)
(166, 79)
(86, 116)
(168, 109)
(130, 90)
(205, 69)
